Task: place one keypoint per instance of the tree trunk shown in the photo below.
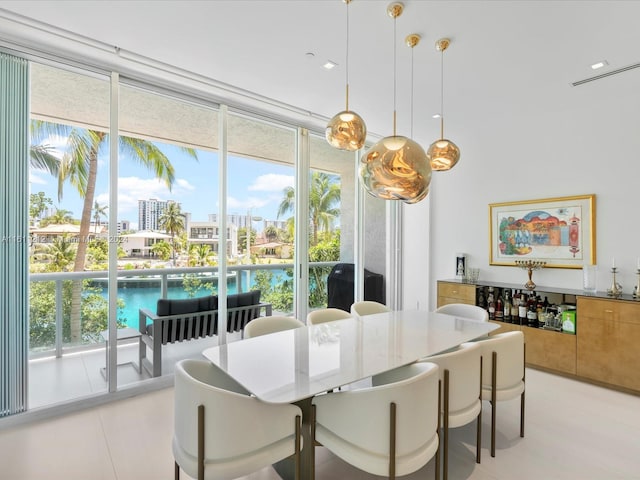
(83, 238)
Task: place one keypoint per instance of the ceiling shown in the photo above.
(502, 52)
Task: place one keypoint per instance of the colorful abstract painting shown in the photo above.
(559, 231)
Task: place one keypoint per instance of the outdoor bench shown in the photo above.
(177, 320)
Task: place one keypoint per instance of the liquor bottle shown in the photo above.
(532, 311)
(499, 309)
(515, 301)
(491, 304)
(539, 310)
(522, 310)
(506, 316)
(481, 299)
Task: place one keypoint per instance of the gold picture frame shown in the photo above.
(560, 231)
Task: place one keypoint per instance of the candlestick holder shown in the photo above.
(636, 289)
(616, 288)
(530, 266)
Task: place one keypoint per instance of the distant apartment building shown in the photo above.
(208, 233)
(279, 224)
(103, 227)
(149, 213)
(241, 220)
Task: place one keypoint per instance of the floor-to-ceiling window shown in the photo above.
(332, 209)
(260, 205)
(163, 219)
(69, 158)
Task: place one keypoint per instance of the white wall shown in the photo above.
(581, 140)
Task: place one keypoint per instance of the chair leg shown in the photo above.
(176, 473)
(297, 460)
(200, 442)
(494, 360)
(524, 348)
(479, 421)
(445, 428)
(392, 441)
(437, 469)
(522, 415)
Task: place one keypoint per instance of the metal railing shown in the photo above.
(165, 276)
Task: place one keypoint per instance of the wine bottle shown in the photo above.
(522, 310)
(491, 303)
(499, 309)
(532, 311)
(506, 316)
(514, 307)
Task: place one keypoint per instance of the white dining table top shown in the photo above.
(292, 365)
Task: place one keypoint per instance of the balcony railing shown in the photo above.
(50, 298)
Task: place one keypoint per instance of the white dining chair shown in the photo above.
(471, 312)
(270, 324)
(368, 307)
(503, 374)
(461, 402)
(222, 432)
(326, 315)
(388, 429)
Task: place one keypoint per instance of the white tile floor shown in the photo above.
(73, 376)
(574, 431)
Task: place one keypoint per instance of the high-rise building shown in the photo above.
(149, 212)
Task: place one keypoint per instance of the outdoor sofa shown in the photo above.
(177, 320)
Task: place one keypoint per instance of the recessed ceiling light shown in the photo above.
(435, 115)
(599, 64)
(310, 54)
(329, 65)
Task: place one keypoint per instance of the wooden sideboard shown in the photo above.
(605, 349)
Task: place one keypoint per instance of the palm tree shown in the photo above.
(200, 253)
(60, 216)
(98, 211)
(43, 159)
(162, 249)
(79, 166)
(172, 221)
(60, 254)
(323, 198)
(271, 233)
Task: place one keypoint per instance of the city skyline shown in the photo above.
(254, 185)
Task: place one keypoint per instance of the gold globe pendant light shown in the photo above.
(346, 130)
(396, 168)
(443, 154)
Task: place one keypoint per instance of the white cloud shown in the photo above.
(184, 184)
(233, 204)
(272, 182)
(132, 189)
(33, 178)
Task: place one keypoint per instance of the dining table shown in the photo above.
(293, 366)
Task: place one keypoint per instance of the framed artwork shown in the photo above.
(559, 231)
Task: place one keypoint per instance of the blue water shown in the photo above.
(136, 298)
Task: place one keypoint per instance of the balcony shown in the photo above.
(61, 369)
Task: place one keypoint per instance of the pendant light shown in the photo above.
(346, 130)
(443, 154)
(396, 168)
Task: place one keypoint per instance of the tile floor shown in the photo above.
(574, 431)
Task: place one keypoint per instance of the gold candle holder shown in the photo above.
(530, 266)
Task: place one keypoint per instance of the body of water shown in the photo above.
(137, 295)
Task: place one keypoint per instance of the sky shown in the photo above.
(252, 184)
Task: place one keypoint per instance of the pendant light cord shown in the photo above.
(347, 61)
(411, 92)
(442, 95)
(395, 20)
